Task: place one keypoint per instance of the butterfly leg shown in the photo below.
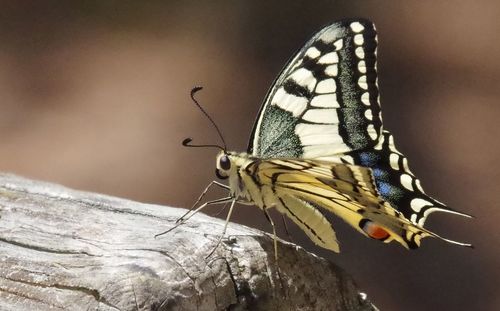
(225, 228)
(275, 242)
(184, 218)
(275, 237)
(220, 211)
(283, 218)
(214, 182)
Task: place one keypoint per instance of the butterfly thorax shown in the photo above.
(239, 169)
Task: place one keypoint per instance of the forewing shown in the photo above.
(325, 101)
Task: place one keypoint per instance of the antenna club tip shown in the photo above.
(196, 89)
(186, 141)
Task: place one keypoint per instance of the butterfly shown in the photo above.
(318, 145)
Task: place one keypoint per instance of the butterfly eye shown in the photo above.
(225, 163)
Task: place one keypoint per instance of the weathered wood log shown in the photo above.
(70, 250)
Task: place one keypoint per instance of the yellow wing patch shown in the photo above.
(310, 220)
(300, 186)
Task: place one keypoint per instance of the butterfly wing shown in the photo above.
(301, 187)
(325, 101)
(395, 182)
(310, 219)
(325, 105)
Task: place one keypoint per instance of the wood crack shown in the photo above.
(44, 249)
(87, 291)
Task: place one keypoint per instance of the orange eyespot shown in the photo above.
(373, 230)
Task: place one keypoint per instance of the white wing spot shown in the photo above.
(392, 147)
(317, 134)
(362, 83)
(339, 44)
(291, 103)
(417, 204)
(413, 218)
(362, 66)
(419, 186)
(393, 161)
(360, 53)
(330, 35)
(358, 39)
(319, 140)
(348, 159)
(357, 27)
(313, 52)
(406, 180)
(368, 114)
(323, 152)
(321, 116)
(365, 99)
(327, 101)
(326, 86)
(380, 143)
(332, 70)
(405, 165)
(330, 58)
(304, 78)
(371, 132)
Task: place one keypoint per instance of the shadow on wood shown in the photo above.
(62, 249)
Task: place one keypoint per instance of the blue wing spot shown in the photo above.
(389, 192)
(384, 188)
(367, 159)
(378, 173)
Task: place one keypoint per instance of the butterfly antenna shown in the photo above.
(186, 142)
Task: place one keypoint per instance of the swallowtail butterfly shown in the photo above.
(318, 145)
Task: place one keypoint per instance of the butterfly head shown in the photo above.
(228, 163)
(232, 166)
(223, 165)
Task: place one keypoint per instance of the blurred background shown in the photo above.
(95, 96)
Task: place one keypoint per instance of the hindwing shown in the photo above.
(301, 187)
(395, 182)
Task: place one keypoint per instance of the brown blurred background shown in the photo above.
(94, 95)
